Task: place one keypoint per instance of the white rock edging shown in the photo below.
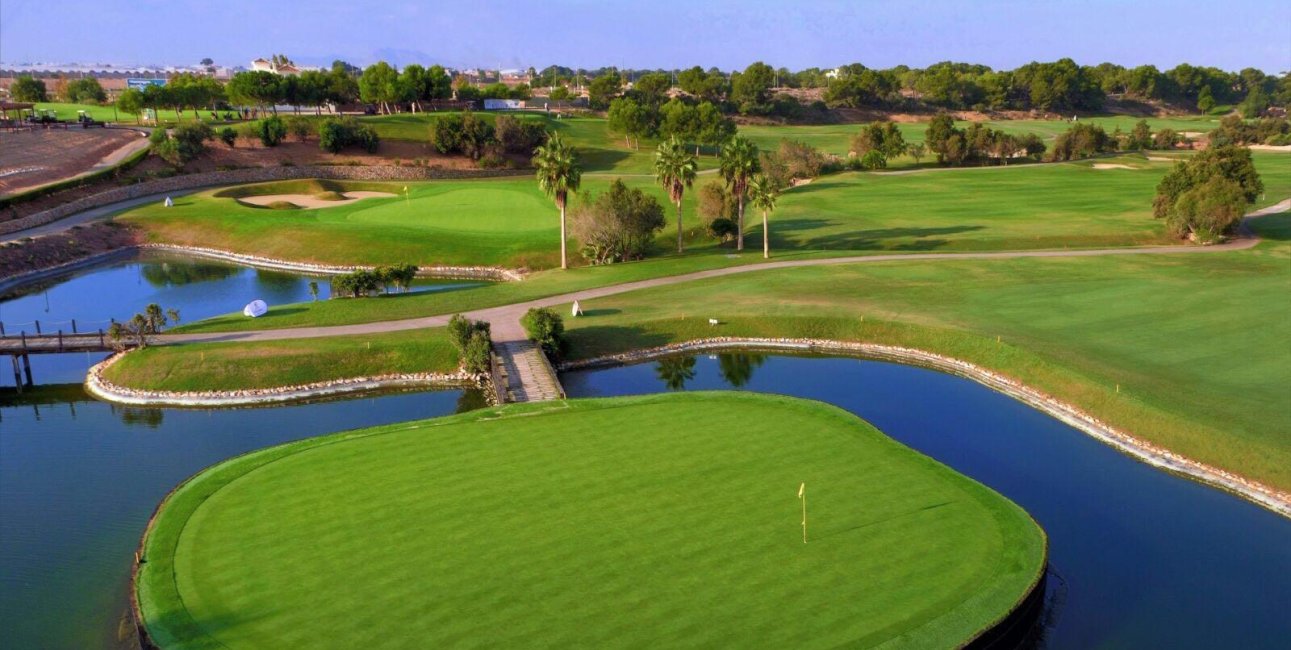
(495, 273)
(1263, 495)
(99, 386)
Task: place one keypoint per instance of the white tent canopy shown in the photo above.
(255, 308)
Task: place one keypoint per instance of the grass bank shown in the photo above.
(1188, 352)
(275, 364)
(592, 522)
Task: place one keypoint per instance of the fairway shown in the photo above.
(510, 223)
(588, 523)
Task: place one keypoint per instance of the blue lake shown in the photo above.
(1140, 558)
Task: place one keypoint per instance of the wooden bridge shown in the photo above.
(20, 348)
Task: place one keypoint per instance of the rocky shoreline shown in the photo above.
(489, 273)
(100, 387)
(1263, 495)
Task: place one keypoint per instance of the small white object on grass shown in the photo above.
(255, 309)
(578, 309)
(170, 203)
(713, 321)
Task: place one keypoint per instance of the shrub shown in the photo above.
(461, 328)
(715, 202)
(544, 327)
(300, 128)
(462, 133)
(519, 136)
(336, 134)
(270, 131)
(792, 159)
(723, 229)
(618, 224)
(873, 159)
(229, 136)
(1082, 141)
(476, 357)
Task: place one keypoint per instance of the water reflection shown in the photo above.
(737, 367)
(674, 372)
(166, 274)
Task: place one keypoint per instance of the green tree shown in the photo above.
(131, 102)
(29, 89)
(739, 162)
(632, 119)
(1140, 137)
(1205, 100)
(556, 166)
(85, 91)
(379, 85)
(707, 86)
(1228, 162)
(653, 88)
(711, 127)
(1255, 104)
(1207, 211)
(751, 89)
(763, 193)
(603, 89)
(675, 168)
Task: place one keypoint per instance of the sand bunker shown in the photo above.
(1161, 159)
(1111, 166)
(310, 202)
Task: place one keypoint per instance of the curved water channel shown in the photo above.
(1140, 558)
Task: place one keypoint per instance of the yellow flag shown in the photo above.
(802, 489)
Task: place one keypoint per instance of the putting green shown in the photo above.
(497, 208)
(663, 520)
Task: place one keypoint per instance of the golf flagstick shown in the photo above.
(802, 496)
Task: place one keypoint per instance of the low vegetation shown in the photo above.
(524, 484)
(275, 364)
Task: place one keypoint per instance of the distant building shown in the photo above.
(287, 69)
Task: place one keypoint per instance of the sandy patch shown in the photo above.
(1161, 159)
(1285, 148)
(1192, 134)
(1111, 166)
(310, 202)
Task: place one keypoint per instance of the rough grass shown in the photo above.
(1196, 343)
(273, 364)
(589, 523)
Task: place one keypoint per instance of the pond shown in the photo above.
(1140, 558)
(198, 289)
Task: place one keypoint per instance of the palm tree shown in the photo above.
(558, 175)
(763, 193)
(674, 169)
(739, 162)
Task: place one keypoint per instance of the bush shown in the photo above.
(519, 136)
(873, 159)
(270, 131)
(544, 327)
(715, 202)
(461, 329)
(300, 128)
(723, 229)
(1082, 141)
(187, 143)
(618, 225)
(229, 136)
(462, 133)
(336, 134)
(792, 159)
(477, 357)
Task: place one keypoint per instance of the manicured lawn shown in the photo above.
(1196, 343)
(591, 523)
(508, 222)
(105, 113)
(272, 364)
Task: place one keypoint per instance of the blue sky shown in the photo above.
(661, 33)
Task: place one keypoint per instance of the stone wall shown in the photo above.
(250, 175)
